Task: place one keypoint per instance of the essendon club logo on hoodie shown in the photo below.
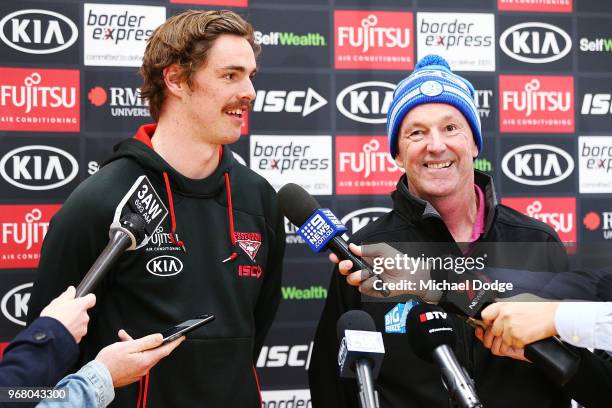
(373, 40)
(23, 228)
(536, 104)
(364, 165)
(558, 212)
(249, 242)
(33, 99)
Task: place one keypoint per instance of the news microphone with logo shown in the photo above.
(558, 362)
(360, 354)
(318, 226)
(136, 217)
(432, 337)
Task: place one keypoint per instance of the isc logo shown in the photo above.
(596, 104)
(304, 102)
(424, 317)
(279, 356)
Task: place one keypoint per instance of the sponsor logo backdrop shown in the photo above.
(541, 70)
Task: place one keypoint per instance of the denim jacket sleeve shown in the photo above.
(90, 387)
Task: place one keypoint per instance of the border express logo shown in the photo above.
(595, 161)
(116, 35)
(465, 40)
(373, 40)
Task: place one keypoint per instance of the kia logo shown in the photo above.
(38, 167)
(164, 265)
(537, 164)
(15, 303)
(366, 102)
(535, 43)
(358, 219)
(50, 31)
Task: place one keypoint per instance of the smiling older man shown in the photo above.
(434, 135)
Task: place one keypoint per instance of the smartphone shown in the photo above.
(186, 327)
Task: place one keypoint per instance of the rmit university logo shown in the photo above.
(366, 102)
(164, 265)
(373, 40)
(38, 167)
(543, 104)
(36, 31)
(39, 100)
(600, 222)
(249, 242)
(435, 315)
(14, 304)
(535, 42)
(122, 101)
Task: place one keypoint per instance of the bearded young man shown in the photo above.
(223, 220)
(434, 135)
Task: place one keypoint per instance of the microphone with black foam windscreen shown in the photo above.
(136, 218)
(319, 227)
(361, 353)
(432, 337)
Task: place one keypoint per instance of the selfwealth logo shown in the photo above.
(23, 229)
(540, 6)
(596, 45)
(536, 104)
(366, 102)
(38, 167)
(38, 31)
(290, 39)
(39, 100)
(558, 212)
(116, 35)
(364, 165)
(535, 42)
(304, 160)
(373, 40)
(465, 40)
(537, 164)
(595, 160)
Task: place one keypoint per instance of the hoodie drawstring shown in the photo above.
(230, 212)
(143, 386)
(173, 237)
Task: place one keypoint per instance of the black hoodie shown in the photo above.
(214, 367)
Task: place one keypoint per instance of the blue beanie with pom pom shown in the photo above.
(432, 81)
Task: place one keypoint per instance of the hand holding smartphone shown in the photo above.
(186, 327)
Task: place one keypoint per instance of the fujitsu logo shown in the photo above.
(368, 35)
(161, 238)
(30, 95)
(561, 222)
(531, 100)
(28, 232)
(368, 161)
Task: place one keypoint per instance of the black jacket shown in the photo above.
(404, 379)
(214, 367)
(39, 355)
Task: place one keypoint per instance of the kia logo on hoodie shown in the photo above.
(165, 265)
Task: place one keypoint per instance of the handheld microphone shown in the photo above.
(432, 337)
(136, 218)
(556, 360)
(318, 226)
(361, 353)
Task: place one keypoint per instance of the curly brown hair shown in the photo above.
(185, 39)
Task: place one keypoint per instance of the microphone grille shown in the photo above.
(428, 327)
(296, 204)
(354, 320)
